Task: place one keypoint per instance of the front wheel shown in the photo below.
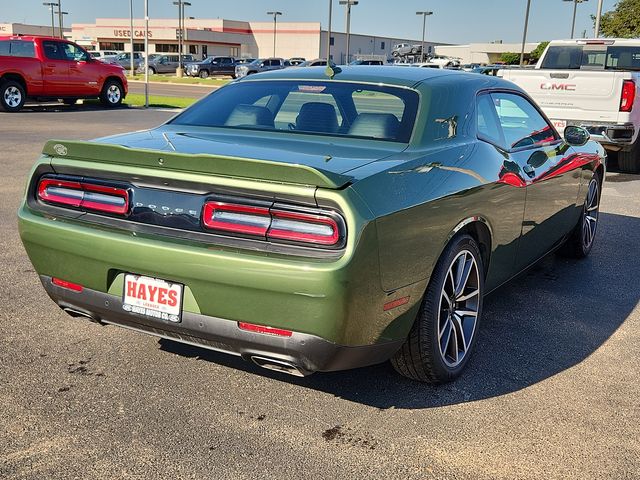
(12, 97)
(204, 74)
(443, 336)
(580, 242)
(111, 95)
(151, 71)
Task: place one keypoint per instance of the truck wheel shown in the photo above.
(580, 242)
(444, 333)
(151, 71)
(12, 96)
(111, 95)
(629, 162)
(204, 74)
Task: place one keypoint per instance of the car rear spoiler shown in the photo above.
(196, 163)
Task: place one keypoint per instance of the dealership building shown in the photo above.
(203, 38)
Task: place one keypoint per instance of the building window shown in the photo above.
(166, 47)
(119, 46)
(234, 51)
(383, 45)
(138, 47)
(193, 49)
(331, 41)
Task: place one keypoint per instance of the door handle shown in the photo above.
(529, 170)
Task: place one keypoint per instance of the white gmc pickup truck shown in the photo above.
(593, 84)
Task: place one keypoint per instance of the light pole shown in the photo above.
(596, 32)
(524, 34)
(131, 32)
(275, 25)
(180, 33)
(51, 5)
(60, 14)
(329, 33)
(575, 7)
(424, 27)
(348, 3)
(146, 49)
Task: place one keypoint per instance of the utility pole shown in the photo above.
(60, 13)
(180, 33)
(524, 35)
(575, 8)
(598, 17)
(275, 25)
(329, 33)
(131, 32)
(424, 27)
(348, 4)
(146, 49)
(53, 23)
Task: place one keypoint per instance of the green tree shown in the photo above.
(510, 58)
(536, 53)
(623, 21)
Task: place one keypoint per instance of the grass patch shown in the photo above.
(211, 81)
(137, 100)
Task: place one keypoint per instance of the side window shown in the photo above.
(73, 53)
(487, 120)
(22, 49)
(53, 50)
(522, 125)
(4, 47)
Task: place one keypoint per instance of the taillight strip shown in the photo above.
(276, 224)
(84, 195)
(628, 95)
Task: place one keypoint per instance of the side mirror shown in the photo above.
(576, 136)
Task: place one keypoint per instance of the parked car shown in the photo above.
(240, 61)
(313, 223)
(488, 70)
(165, 63)
(295, 61)
(124, 60)
(259, 65)
(212, 66)
(592, 83)
(318, 62)
(45, 68)
(403, 49)
(366, 62)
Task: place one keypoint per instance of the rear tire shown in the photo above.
(12, 96)
(629, 162)
(443, 336)
(580, 242)
(112, 94)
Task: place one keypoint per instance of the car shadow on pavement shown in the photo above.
(544, 322)
(62, 108)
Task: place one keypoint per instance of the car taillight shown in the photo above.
(273, 224)
(84, 195)
(628, 95)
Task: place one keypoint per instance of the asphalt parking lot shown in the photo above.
(552, 391)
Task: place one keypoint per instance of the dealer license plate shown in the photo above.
(152, 297)
(560, 125)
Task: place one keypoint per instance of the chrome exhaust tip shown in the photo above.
(278, 366)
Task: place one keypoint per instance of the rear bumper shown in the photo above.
(306, 353)
(613, 136)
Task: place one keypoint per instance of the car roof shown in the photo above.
(30, 38)
(387, 75)
(375, 74)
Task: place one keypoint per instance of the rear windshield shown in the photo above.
(316, 108)
(594, 57)
(17, 48)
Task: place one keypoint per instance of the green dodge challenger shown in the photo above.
(315, 220)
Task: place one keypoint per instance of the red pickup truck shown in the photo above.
(45, 68)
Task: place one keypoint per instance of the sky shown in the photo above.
(453, 21)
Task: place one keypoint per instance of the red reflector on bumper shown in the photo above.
(68, 285)
(395, 303)
(250, 327)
